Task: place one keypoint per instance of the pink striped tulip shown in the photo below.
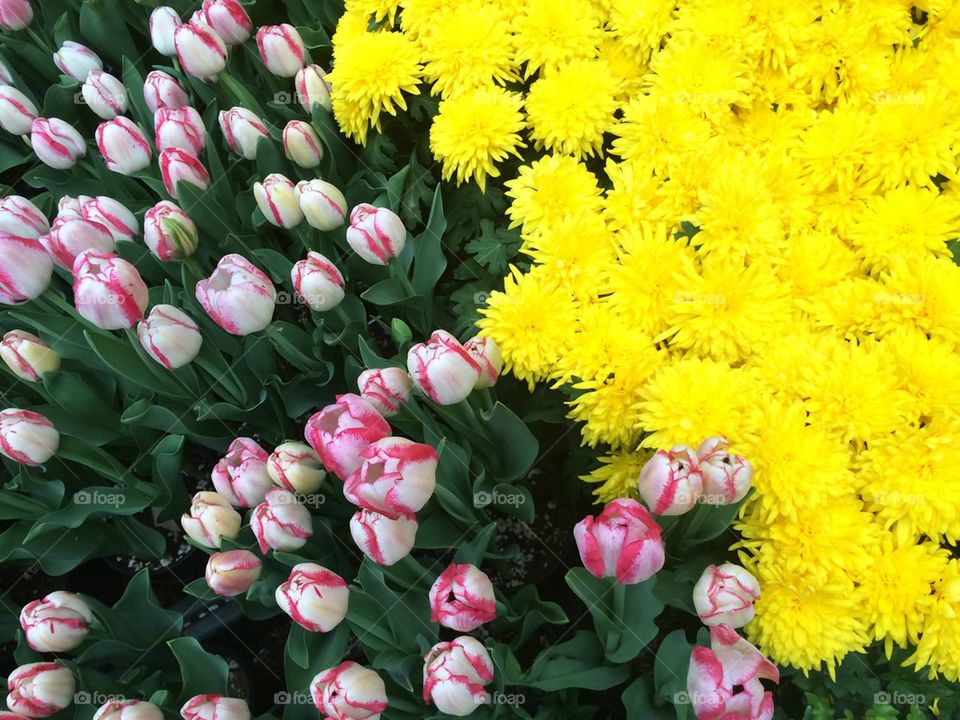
(108, 291)
(215, 707)
(164, 22)
(312, 87)
(349, 692)
(462, 598)
(40, 689)
(201, 51)
(15, 14)
(314, 597)
(19, 216)
(27, 356)
(177, 166)
(71, 236)
(25, 269)
(622, 542)
(241, 475)
(296, 467)
(281, 49)
(232, 573)
(56, 143)
(454, 675)
(104, 94)
(487, 355)
(442, 369)
(210, 520)
(56, 623)
(385, 540)
(671, 482)
(376, 234)
(76, 60)
(238, 296)
(342, 431)
(162, 90)
(119, 221)
(180, 128)
(726, 477)
(277, 199)
(169, 336)
(169, 232)
(317, 282)
(243, 130)
(302, 145)
(397, 477)
(724, 595)
(323, 205)
(228, 19)
(123, 145)
(17, 111)
(387, 389)
(27, 437)
(281, 522)
(69, 207)
(128, 710)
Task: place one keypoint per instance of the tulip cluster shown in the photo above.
(447, 372)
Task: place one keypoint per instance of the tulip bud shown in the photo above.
(314, 597)
(70, 237)
(161, 90)
(169, 232)
(281, 522)
(243, 130)
(27, 356)
(302, 145)
(19, 216)
(215, 707)
(104, 94)
(124, 146)
(57, 623)
(671, 483)
(281, 49)
(180, 128)
(76, 60)
(349, 692)
(397, 477)
(342, 431)
(317, 282)
(169, 336)
(385, 540)
(387, 389)
(726, 477)
(622, 542)
(71, 207)
(108, 291)
(128, 710)
(277, 200)
(296, 467)
(25, 269)
(312, 87)
(56, 143)
(232, 573)
(454, 674)
(115, 217)
(200, 50)
(241, 475)
(442, 369)
(178, 166)
(210, 520)
(238, 296)
(487, 355)
(164, 22)
(724, 595)
(462, 598)
(376, 234)
(323, 205)
(228, 19)
(15, 14)
(40, 689)
(27, 437)
(17, 111)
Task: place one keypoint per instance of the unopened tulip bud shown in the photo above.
(180, 128)
(281, 522)
(210, 520)
(38, 690)
(314, 597)
(726, 477)
(671, 483)
(232, 573)
(162, 90)
(281, 49)
(387, 389)
(76, 60)
(302, 145)
(15, 14)
(19, 216)
(123, 145)
(27, 356)
(296, 467)
(27, 437)
(17, 111)
(485, 351)
(442, 369)
(169, 232)
(228, 19)
(241, 475)
(312, 87)
(318, 282)
(349, 692)
(724, 595)
(56, 623)
(170, 336)
(323, 205)
(342, 431)
(164, 22)
(25, 269)
(243, 131)
(69, 207)
(177, 166)
(113, 215)
(385, 540)
(622, 542)
(215, 707)
(108, 291)
(462, 598)
(397, 477)
(128, 710)
(454, 676)
(238, 296)
(70, 237)
(277, 199)
(201, 51)
(104, 94)
(376, 234)
(56, 143)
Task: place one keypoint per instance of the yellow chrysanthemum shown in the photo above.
(626, 63)
(930, 368)
(617, 475)
(660, 133)
(352, 25)
(578, 251)
(939, 646)
(641, 23)
(551, 33)
(815, 261)
(549, 189)
(853, 308)
(379, 10)
(633, 196)
(923, 293)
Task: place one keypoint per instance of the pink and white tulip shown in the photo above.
(169, 232)
(76, 60)
(487, 355)
(202, 53)
(114, 216)
(25, 269)
(281, 522)
(104, 94)
(314, 597)
(123, 145)
(296, 467)
(241, 475)
(454, 676)
(385, 540)
(277, 199)
(376, 234)
(164, 22)
(177, 166)
(397, 477)
(17, 111)
(27, 356)
(671, 482)
(180, 128)
(57, 623)
(69, 207)
(40, 689)
(622, 542)
(232, 573)
(349, 692)
(281, 49)
(387, 389)
(15, 14)
(238, 296)
(215, 707)
(71, 236)
(462, 598)
(170, 336)
(228, 19)
(210, 520)
(243, 130)
(27, 437)
(726, 477)
(162, 90)
(19, 216)
(318, 282)
(724, 595)
(323, 205)
(56, 143)
(128, 710)
(108, 291)
(302, 145)
(443, 369)
(342, 431)
(312, 87)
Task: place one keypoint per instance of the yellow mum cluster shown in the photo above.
(739, 217)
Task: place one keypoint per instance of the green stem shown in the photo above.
(42, 43)
(398, 274)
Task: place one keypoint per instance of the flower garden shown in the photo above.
(496, 358)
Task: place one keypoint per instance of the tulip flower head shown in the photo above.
(387, 389)
(671, 482)
(622, 542)
(442, 369)
(318, 282)
(349, 692)
(202, 53)
(104, 94)
(180, 128)
(241, 475)
(232, 573)
(323, 205)
(177, 166)
(108, 291)
(296, 467)
(215, 707)
(27, 356)
(397, 477)
(376, 234)
(113, 215)
(454, 675)
(17, 111)
(281, 49)
(462, 598)
(238, 296)
(124, 147)
(487, 355)
(342, 431)
(210, 520)
(228, 19)
(68, 237)
(277, 199)
(56, 143)
(302, 145)
(725, 594)
(164, 22)
(15, 14)
(128, 710)
(314, 597)
(76, 60)
(312, 87)
(243, 131)
(384, 539)
(38, 690)
(57, 623)
(169, 232)
(19, 216)
(726, 477)
(27, 437)
(25, 269)
(169, 336)
(281, 522)
(162, 90)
